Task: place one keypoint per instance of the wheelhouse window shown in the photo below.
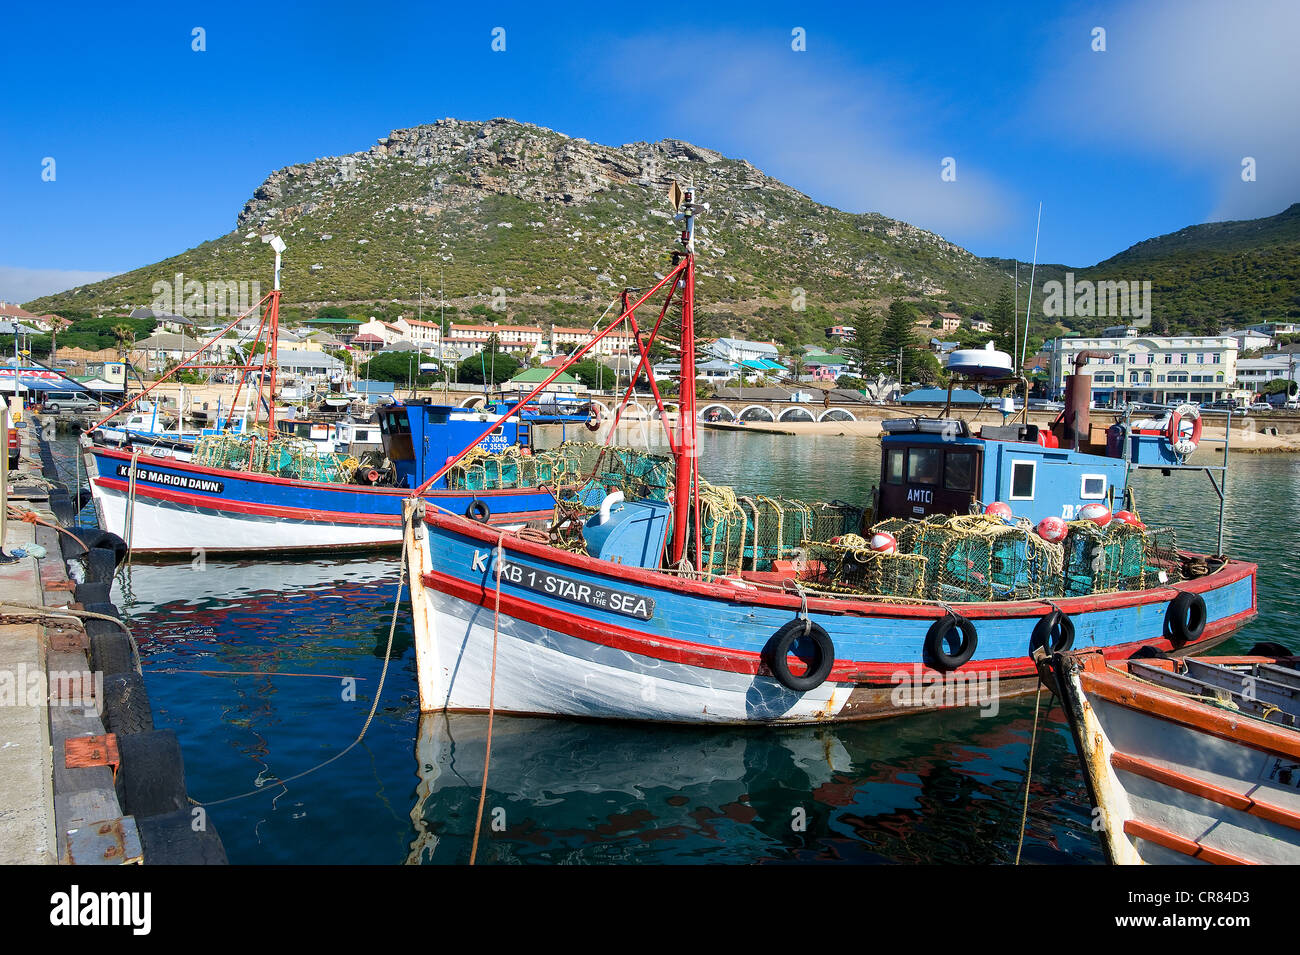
(894, 467)
(1022, 480)
(1092, 487)
(923, 465)
(959, 471)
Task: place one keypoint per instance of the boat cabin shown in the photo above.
(419, 437)
(936, 466)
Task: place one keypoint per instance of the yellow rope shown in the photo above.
(1029, 773)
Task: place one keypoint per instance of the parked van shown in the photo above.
(53, 402)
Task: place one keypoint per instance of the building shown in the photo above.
(308, 364)
(1250, 340)
(615, 343)
(530, 378)
(522, 341)
(980, 325)
(738, 349)
(840, 332)
(948, 322)
(1253, 374)
(1154, 369)
(1273, 329)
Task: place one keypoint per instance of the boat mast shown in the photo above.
(273, 345)
(687, 492)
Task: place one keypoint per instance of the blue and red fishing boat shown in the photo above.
(241, 491)
(653, 595)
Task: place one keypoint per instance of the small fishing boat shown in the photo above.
(653, 595)
(247, 492)
(1192, 760)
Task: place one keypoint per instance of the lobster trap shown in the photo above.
(750, 533)
(974, 557)
(849, 565)
(484, 471)
(285, 456)
(1119, 556)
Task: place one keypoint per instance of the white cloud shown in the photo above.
(22, 285)
(842, 134)
(1199, 83)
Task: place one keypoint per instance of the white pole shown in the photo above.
(1029, 297)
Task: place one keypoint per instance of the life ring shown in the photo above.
(478, 511)
(938, 638)
(1184, 429)
(1054, 631)
(778, 648)
(1185, 619)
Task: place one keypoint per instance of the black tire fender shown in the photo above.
(1055, 631)
(778, 648)
(1185, 619)
(939, 637)
(478, 511)
(126, 704)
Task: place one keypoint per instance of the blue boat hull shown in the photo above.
(579, 637)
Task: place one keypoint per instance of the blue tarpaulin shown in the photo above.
(937, 396)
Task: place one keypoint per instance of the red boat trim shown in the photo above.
(1231, 572)
(301, 513)
(711, 657)
(1118, 688)
(1205, 790)
(1188, 847)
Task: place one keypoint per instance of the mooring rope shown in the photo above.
(130, 504)
(492, 699)
(1029, 774)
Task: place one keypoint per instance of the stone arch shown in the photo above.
(724, 413)
(796, 414)
(837, 414)
(759, 413)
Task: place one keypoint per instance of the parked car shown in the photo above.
(1261, 406)
(55, 402)
(1293, 405)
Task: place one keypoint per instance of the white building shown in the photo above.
(1151, 368)
(737, 349)
(1254, 373)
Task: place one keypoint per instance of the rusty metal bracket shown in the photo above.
(110, 842)
(86, 752)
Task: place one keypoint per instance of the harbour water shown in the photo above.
(267, 669)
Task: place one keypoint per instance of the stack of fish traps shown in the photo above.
(481, 470)
(751, 533)
(1117, 557)
(285, 456)
(977, 557)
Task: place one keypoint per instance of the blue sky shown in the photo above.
(156, 147)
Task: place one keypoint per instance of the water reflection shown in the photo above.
(935, 788)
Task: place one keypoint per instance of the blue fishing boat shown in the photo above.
(653, 595)
(242, 491)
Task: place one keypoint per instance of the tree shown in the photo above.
(896, 336)
(496, 366)
(125, 335)
(1003, 319)
(398, 367)
(865, 347)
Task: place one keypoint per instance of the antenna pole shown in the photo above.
(1029, 296)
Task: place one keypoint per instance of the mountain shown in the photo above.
(550, 227)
